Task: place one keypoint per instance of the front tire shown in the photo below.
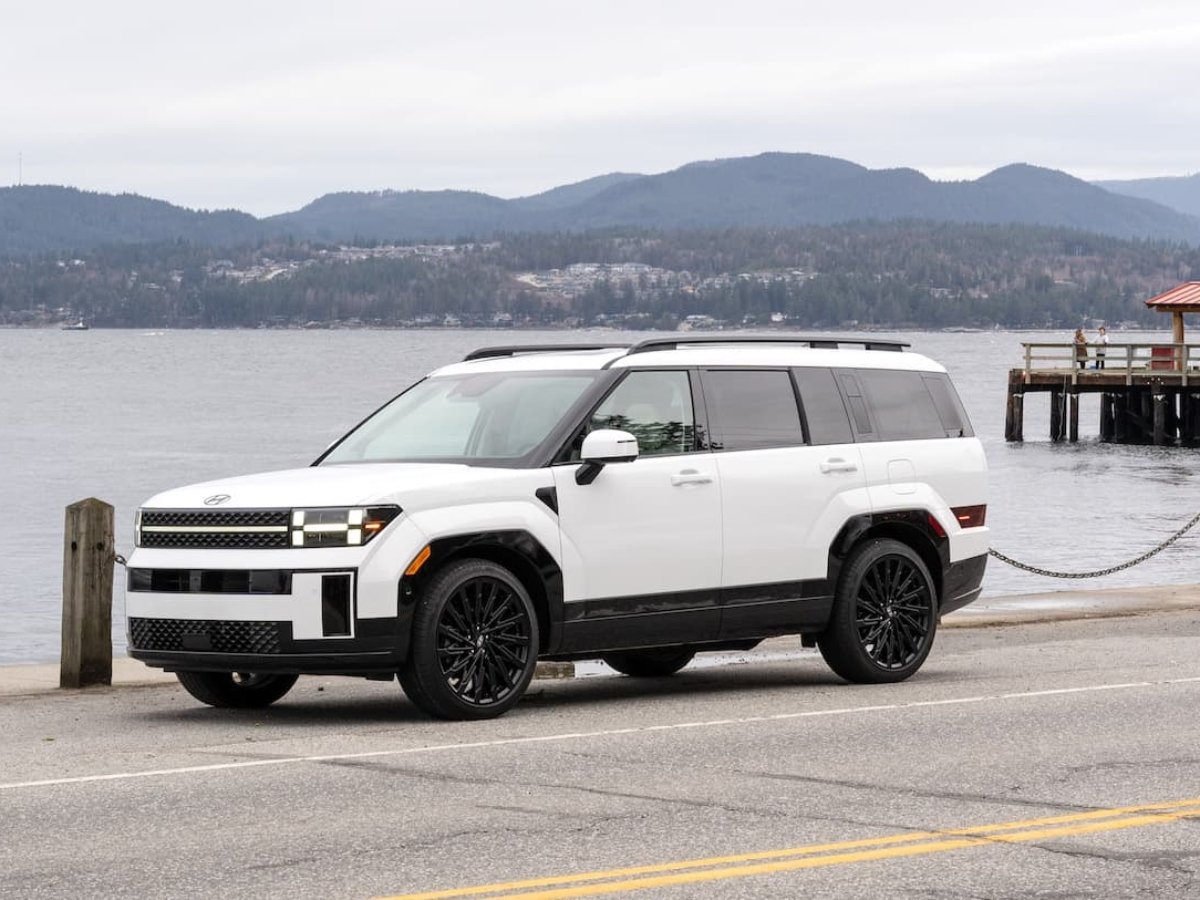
(884, 615)
(656, 662)
(236, 690)
(474, 642)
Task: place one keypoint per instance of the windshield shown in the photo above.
(465, 418)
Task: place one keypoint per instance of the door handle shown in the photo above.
(691, 476)
(837, 464)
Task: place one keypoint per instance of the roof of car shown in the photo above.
(706, 350)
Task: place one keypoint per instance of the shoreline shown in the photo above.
(41, 679)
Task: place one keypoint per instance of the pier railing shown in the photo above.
(1179, 363)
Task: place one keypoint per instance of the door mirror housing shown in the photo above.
(603, 446)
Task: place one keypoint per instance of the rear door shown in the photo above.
(787, 489)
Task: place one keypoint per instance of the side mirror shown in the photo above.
(606, 445)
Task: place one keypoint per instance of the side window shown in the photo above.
(824, 411)
(949, 406)
(902, 405)
(751, 410)
(655, 407)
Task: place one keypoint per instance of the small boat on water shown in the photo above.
(75, 326)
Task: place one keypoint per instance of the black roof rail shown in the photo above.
(823, 342)
(495, 352)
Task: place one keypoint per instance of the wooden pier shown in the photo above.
(1149, 393)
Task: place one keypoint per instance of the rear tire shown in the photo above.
(474, 642)
(236, 690)
(655, 662)
(884, 615)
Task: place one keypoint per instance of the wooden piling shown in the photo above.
(88, 557)
(1073, 418)
(1160, 419)
(1014, 411)
(1106, 417)
(1057, 410)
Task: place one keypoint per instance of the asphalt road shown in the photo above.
(1052, 760)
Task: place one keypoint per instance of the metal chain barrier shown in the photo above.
(1099, 572)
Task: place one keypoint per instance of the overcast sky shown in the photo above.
(265, 106)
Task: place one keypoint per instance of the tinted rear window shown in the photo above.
(750, 410)
(904, 408)
(824, 411)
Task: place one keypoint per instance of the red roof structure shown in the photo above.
(1184, 298)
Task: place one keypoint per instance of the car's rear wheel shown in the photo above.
(655, 662)
(236, 690)
(884, 615)
(474, 642)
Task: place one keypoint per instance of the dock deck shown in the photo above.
(1150, 393)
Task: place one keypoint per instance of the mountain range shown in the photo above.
(771, 189)
(1181, 193)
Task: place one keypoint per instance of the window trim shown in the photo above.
(860, 437)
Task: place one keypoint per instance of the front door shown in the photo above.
(641, 544)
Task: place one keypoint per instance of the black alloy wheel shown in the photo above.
(474, 642)
(236, 690)
(884, 615)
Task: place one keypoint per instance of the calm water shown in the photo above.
(120, 415)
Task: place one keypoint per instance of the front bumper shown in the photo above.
(303, 610)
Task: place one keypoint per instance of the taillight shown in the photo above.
(970, 516)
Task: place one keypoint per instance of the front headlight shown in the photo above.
(339, 526)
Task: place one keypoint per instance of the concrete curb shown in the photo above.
(1025, 609)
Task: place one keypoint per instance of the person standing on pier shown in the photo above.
(1080, 348)
(1101, 347)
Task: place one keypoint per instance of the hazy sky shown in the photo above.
(265, 106)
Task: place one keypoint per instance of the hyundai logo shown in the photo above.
(216, 499)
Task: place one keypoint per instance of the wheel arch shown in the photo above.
(516, 550)
(912, 527)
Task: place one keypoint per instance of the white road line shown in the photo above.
(578, 735)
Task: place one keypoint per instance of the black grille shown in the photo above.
(230, 518)
(225, 518)
(201, 635)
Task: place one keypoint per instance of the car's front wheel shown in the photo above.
(656, 662)
(236, 690)
(474, 642)
(884, 615)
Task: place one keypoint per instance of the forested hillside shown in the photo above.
(41, 218)
(874, 275)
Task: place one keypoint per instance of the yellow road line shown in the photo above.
(906, 844)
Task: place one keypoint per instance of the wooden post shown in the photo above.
(1106, 417)
(1073, 418)
(1177, 336)
(1160, 419)
(1014, 425)
(88, 557)
(1057, 410)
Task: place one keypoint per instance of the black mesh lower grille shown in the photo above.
(226, 541)
(205, 636)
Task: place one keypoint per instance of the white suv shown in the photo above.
(635, 503)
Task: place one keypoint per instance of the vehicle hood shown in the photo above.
(336, 485)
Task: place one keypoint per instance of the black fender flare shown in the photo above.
(519, 552)
(918, 528)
